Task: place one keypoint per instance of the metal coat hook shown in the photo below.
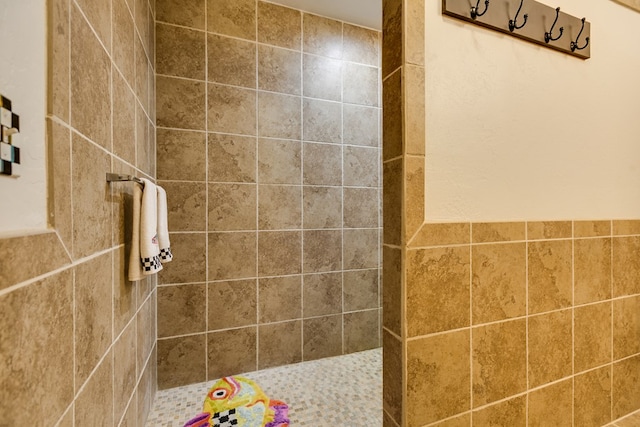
(513, 25)
(574, 45)
(474, 10)
(548, 37)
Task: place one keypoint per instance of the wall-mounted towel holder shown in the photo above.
(527, 20)
(115, 177)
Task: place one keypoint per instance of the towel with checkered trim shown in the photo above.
(163, 227)
(149, 246)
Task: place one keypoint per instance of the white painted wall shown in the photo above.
(520, 132)
(23, 81)
(366, 13)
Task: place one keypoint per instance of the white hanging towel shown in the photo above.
(149, 247)
(163, 227)
(135, 267)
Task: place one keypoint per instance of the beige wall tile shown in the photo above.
(499, 282)
(361, 166)
(499, 361)
(231, 110)
(322, 251)
(511, 412)
(181, 361)
(322, 207)
(322, 36)
(392, 201)
(630, 421)
(322, 337)
(181, 155)
(438, 377)
(236, 18)
(181, 52)
(180, 103)
(232, 207)
(592, 339)
(322, 294)
(181, 310)
(59, 197)
(146, 330)
(124, 120)
(189, 259)
(392, 116)
(279, 161)
(142, 73)
(488, 232)
(99, 16)
(360, 248)
(322, 77)
(441, 234)
(58, 59)
(591, 228)
(232, 255)
(550, 347)
(279, 252)
(592, 398)
(279, 207)
(414, 104)
(322, 121)
(592, 270)
(143, 142)
(360, 84)
(551, 405)
(626, 327)
(279, 70)
(322, 164)
(392, 271)
(231, 352)
(142, 18)
(360, 289)
(280, 344)
(188, 13)
(626, 227)
(550, 275)
(438, 290)
(144, 394)
(392, 39)
(392, 376)
(124, 292)
(99, 388)
(549, 230)
(232, 158)
(280, 299)
(279, 26)
(231, 61)
(186, 205)
(626, 266)
(361, 331)
(414, 195)
(279, 116)
(414, 32)
(360, 125)
(124, 370)
(232, 304)
(626, 387)
(361, 45)
(360, 207)
(461, 421)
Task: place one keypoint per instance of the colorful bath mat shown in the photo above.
(238, 401)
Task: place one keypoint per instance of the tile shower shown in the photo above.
(268, 144)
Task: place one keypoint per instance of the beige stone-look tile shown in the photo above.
(188, 13)
(279, 70)
(99, 16)
(236, 18)
(90, 77)
(552, 405)
(361, 166)
(361, 331)
(186, 205)
(67, 419)
(626, 266)
(231, 352)
(630, 421)
(142, 74)
(99, 388)
(280, 299)
(461, 421)
(141, 18)
(361, 249)
(279, 253)
(279, 344)
(181, 361)
(146, 331)
(322, 207)
(626, 327)
(499, 282)
(511, 412)
(232, 304)
(592, 398)
(279, 26)
(414, 33)
(231, 110)
(232, 158)
(180, 103)
(489, 232)
(124, 369)
(392, 289)
(592, 270)
(231, 61)
(392, 201)
(59, 194)
(441, 234)
(392, 116)
(124, 120)
(361, 45)
(322, 121)
(124, 291)
(438, 290)
(414, 194)
(499, 361)
(232, 207)
(360, 207)
(414, 109)
(438, 377)
(392, 374)
(550, 275)
(144, 393)
(91, 207)
(279, 207)
(360, 125)
(322, 164)
(181, 52)
(58, 59)
(322, 36)
(542, 230)
(189, 259)
(322, 337)
(322, 294)
(41, 313)
(360, 84)
(550, 347)
(322, 77)
(279, 161)
(591, 228)
(181, 155)
(626, 387)
(392, 36)
(279, 116)
(626, 227)
(181, 310)
(360, 289)
(592, 336)
(93, 314)
(232, 255)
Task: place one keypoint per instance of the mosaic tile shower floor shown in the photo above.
(338, 391)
